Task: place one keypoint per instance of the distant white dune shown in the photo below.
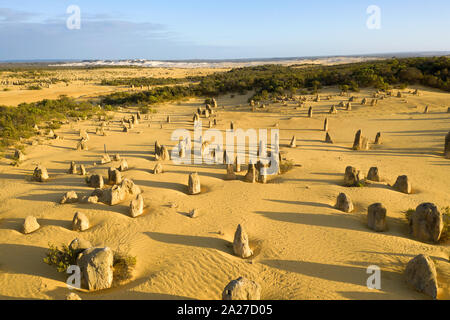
(215, 64)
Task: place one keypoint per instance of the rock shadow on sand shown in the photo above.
(27, 259)
(16, 224)
(302, 203)
(193, 241)
(338, 220)
(346, 274)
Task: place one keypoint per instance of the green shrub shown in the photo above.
(286, 166)
(18, 122)
(62, 258)
(20, 147)
(54, 125)
(147, 110)
(146, 81)
(124, 265)
(354, 86)
(344, 87)
(34, 87)
(361, 184)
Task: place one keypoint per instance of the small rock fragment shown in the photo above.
(351, 177)
(193, 213)
(242, 289)
(373, 174)
(123, 166)
(73, 168)
(114, 176)
(420, 273)
(376, 217)
(30, 225)
(240, 243)
(40, 174)
(72, 296)
(158, 168)
(344, 203)
(426, 223)
(194, 186)
(137, 206)
(69, 197)
(403, 184)
(293, 143)
(19, 156)
(378, 138)
(80, 222)
(230, 173)
(360, 143)
(96, 181)
(251, 174)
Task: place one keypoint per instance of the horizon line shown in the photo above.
(374, 55)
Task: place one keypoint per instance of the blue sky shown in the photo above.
(218, 29)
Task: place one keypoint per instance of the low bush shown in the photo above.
(34, 88)
(62, 258)
(18, 122)
(146, 110)
(124, 265)
(286, 166)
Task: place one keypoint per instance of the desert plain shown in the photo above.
(303, 247)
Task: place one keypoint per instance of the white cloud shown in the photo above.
(10, 15)
(100, 36)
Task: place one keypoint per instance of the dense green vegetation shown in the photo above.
(271, 80)
(62, 258)
(18, 122)
(137, 82)
(156, 95)
(34, 87)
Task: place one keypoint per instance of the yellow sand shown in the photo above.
(304, 248)
(82, 83)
